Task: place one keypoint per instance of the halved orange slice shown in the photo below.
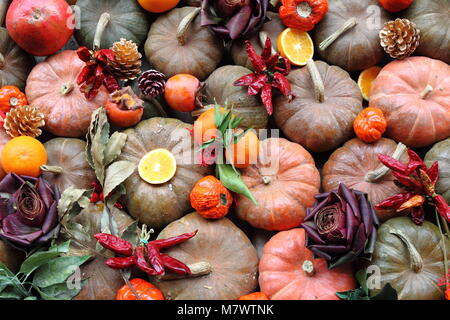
(296, 45)
(366, 79)
(158, 166)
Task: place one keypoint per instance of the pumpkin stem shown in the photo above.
(377, 174)
(3, 9)
(350, 23)
(198, 269)
(308, 268)
(103, 22)
(52, 169)
(414, 256)
(319, 88)
(263, 38)
(184, 25)
(66, 89)
(266, 180)
(429, 89)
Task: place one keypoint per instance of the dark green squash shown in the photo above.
(441, 153)
(410, 258)
(120, 19)
(178, 44)
(67, 165)
(15, 64)
(159, 205)
(432, 17)
(219, 88)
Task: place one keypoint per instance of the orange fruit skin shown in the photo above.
(204, 127)
(245, 152)
(123, 118)
(158, 6)
(181, 91)
(254, 296)
(210, 198)
(24, 156)
(144, 289)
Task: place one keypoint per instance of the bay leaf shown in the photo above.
(57, 270)
(117, 173)
(231, 179)
(69, 197)
(60, 291)
(99, 142)
(114, 147)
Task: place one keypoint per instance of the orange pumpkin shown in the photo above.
(284, 181)
(144, 289)
(10, 97)
(210, 198)
(254, 296)
(288, 271)
(370, 125)
(52, 88)
(303, 14)
(414, 95)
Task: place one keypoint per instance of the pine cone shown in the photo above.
(400, 38)
(24, 121)
(127, 61)
(152, 83)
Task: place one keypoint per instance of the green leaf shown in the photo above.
(36, 260)
(117, 173)
(233, 181)
(57, 270)
(114, 147)
(60, 291)
(131, 233)
(387, 293)
(361, 277)
(31, 298)
(11, 293)
(61, 248)
(6, 281)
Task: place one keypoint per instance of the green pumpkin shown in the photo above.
(411, 259)
(441, 153)
(123, 19)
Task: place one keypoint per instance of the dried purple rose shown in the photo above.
(28, 210)
(341, 226)
(233, 19)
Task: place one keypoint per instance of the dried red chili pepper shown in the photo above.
(141, 261)
(96, 72)
(169, 242)
(154, 257)
(393, 164)
(395, 201)
(114, 243)
(270, 72)
(420, 181)
(120, 262)
(175, 265)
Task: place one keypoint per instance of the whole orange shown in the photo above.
(158, 6)
(245, 152)
(24, 156)
(181, 91)
(144, 289)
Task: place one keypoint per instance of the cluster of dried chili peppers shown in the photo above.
(97, 195)
(96, 72)
(270, 72)
(418, 182)
(147, 255)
